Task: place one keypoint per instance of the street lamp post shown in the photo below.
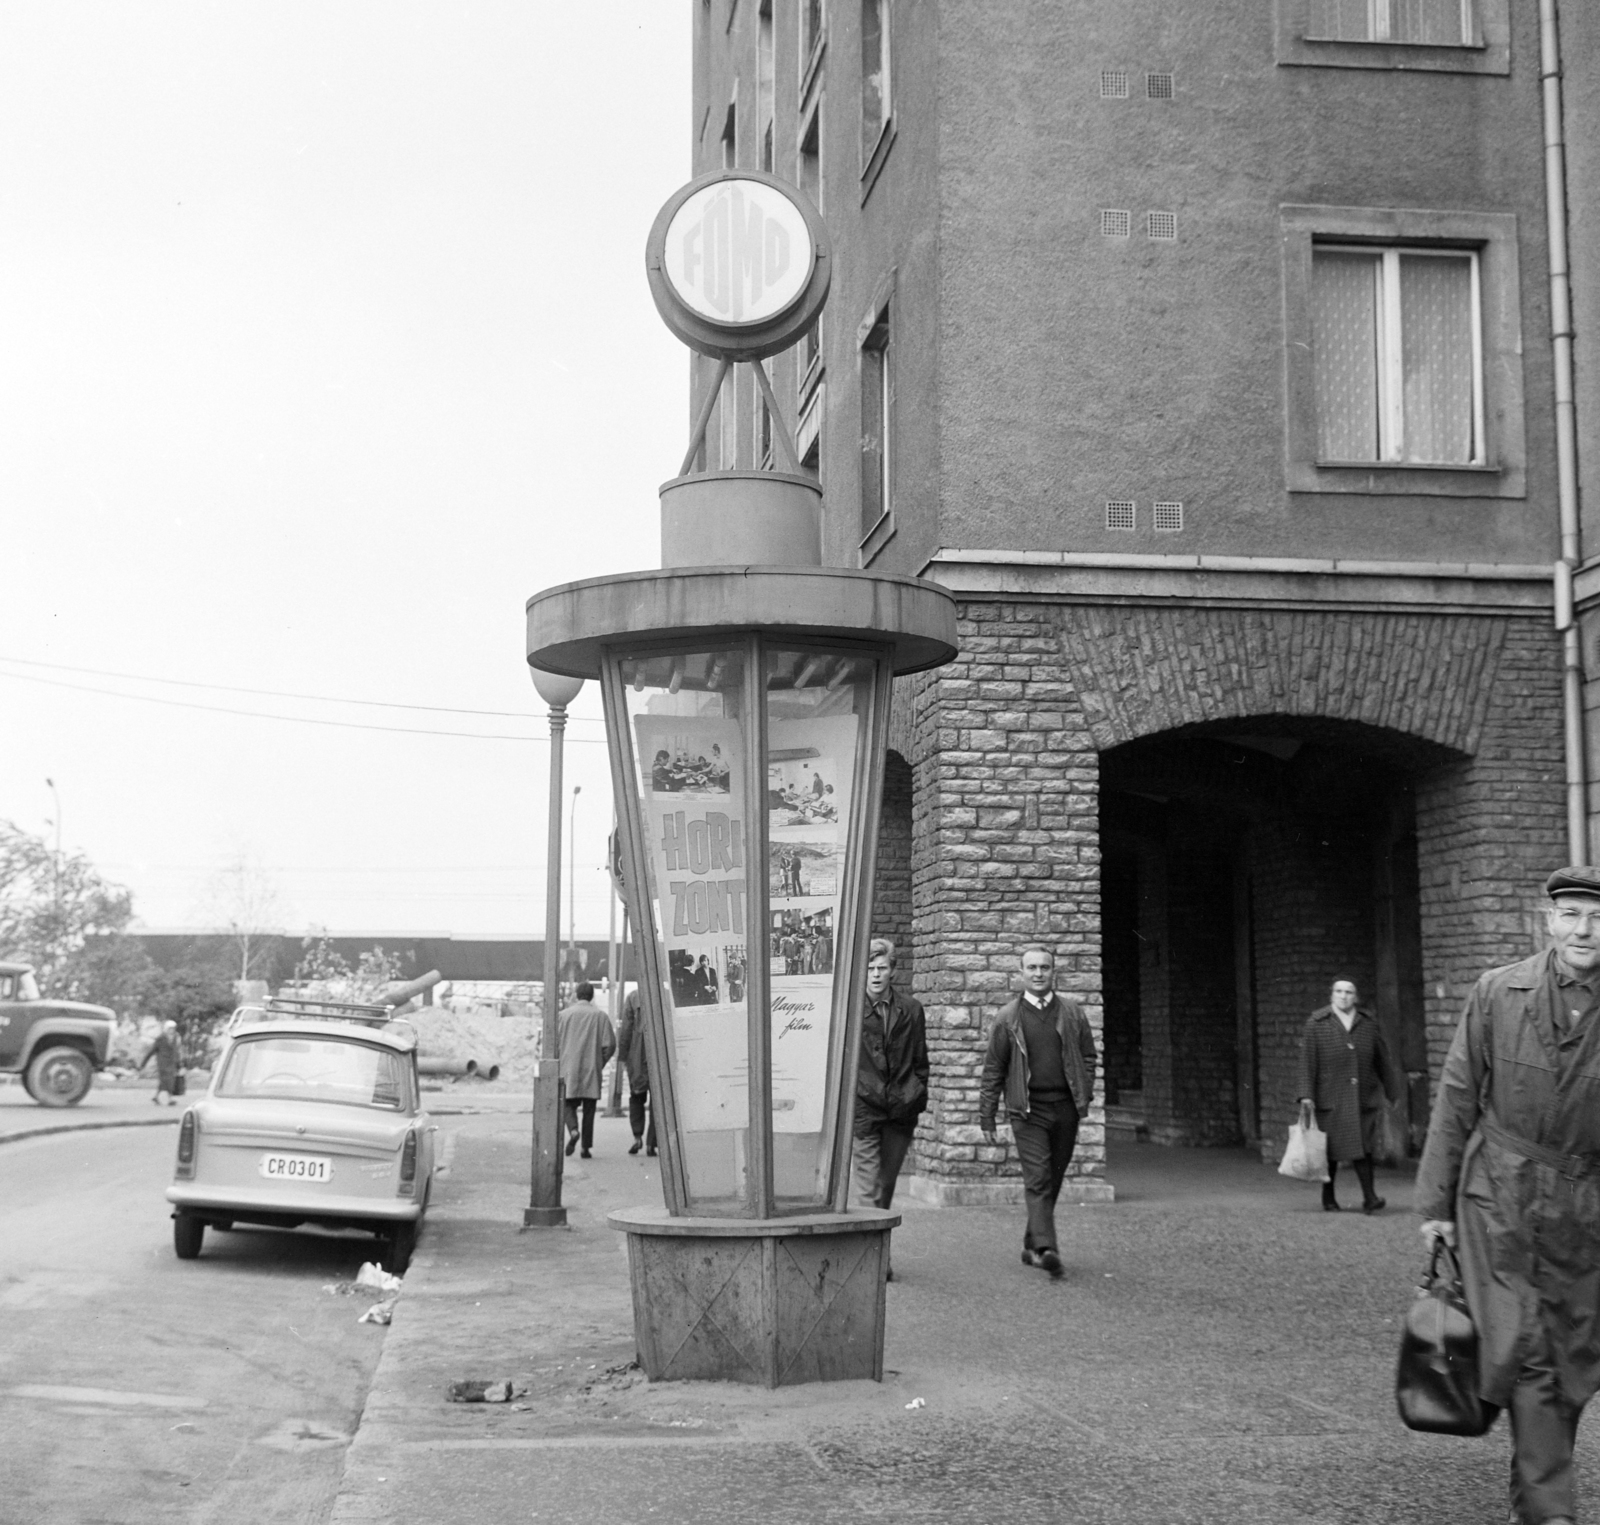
(572, 882)
(544, 1209)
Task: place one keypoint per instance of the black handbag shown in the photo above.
(1436, 1382)
(180, 1083)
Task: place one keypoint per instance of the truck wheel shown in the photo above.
(59, 1077)
(187, 1234)
(398, 1247)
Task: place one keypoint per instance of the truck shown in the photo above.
(55, 1046)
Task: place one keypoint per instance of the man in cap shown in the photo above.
(1511, 1176)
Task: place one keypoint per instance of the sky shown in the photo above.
(324, 342)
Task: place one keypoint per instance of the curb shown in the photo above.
(121, 1122)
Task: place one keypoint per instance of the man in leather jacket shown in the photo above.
(892, 1081)
(1042, 1053)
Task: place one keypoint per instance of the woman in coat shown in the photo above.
(165, 1052)
(1345, 1072)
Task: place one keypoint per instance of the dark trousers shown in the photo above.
(1045, 1140)
(1544, 1427)
(636, 1113)
(587, 1103)
(880, 1151)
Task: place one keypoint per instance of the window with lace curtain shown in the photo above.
(1397, 352)
(1402, 352)
(1422, 23)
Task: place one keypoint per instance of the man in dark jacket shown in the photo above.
(635, 1060)
(892, 1081)
(1041, 1051)
(1511, 1173)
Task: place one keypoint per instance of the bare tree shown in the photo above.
(242, 901)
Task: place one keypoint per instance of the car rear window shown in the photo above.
(315, 1069)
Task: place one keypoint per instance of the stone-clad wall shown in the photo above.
(1005, 849)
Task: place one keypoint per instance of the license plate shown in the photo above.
(296, 1167)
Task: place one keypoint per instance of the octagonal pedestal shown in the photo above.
(774, 1301)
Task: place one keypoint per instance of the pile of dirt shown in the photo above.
(480, 1033)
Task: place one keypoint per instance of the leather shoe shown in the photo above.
(636, 1146)
(1329, 1205)
(650, 1151)
(588, 1154)
(1052, 1263)
(572, 1143)
(1029, 1258)
(1377, 1205)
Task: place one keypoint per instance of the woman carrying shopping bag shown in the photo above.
(1345, 1072)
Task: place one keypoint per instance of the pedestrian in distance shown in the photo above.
(166, 1050)
(587, 1042)
(1345, 1072)
(636, 1061)
(891, 1080)
(1510, 1175)
(1042, 1057)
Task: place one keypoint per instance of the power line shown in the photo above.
(223, 709)
(277, 693)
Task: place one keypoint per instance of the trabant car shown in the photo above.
(313, 1116)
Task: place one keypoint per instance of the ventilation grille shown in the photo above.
(1162, 225)
(1116, 224)
(1168, 516)
(1157, 87)
(1113, 84)
(1121, 516)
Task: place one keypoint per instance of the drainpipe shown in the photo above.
(1555, 184)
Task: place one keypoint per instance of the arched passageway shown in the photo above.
(1246, 865)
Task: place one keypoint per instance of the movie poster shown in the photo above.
(696, 836)
(810, 764)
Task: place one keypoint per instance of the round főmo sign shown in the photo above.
(738, 264)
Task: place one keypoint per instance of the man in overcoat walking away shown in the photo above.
(1511, 1174)
(1346, 1070)
(636, 1060)
(587, 1042)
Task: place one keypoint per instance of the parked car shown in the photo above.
(313, 1116)
(56, 1046)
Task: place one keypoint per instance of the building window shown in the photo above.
(808, 433)
(1162, 226)
(1420, 23)
(810, 181)
(1122, 515)
(764, 81)
(1158, 87)
(876, 104)
(1167, 517)
(1441, 36)
(877, 422)
(1397, 354)
(730, 136)
(1403, 351)
(1116, 224)
(1113, 84)
(813, 36)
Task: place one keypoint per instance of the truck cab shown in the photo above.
(55, 1046)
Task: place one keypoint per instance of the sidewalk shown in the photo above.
(1220, 1351)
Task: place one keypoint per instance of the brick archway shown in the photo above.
(1006, 745)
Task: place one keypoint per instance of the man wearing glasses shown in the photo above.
(1510, 1175)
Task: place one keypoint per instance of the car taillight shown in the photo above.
(408, 1164)
(186, 1144)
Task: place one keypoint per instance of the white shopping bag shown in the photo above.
(1306, 1158)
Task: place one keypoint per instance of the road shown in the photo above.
(137, 1387)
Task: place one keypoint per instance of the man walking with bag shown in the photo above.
(1511, 1175)
(1042, 1053)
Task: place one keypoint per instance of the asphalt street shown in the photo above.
(137, 1387)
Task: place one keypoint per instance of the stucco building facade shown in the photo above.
(1205, 353)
